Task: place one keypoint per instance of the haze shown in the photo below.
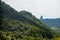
(47, 8)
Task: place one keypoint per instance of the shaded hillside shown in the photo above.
(22, 26)
(1, 14)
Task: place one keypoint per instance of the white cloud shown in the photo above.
(49, 8)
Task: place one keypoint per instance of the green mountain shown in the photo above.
(22, 25)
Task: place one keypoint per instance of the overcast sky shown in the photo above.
(47, 8)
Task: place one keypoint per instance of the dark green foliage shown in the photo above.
(1, 15)
(23, 26)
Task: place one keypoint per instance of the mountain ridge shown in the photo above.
(51, 22)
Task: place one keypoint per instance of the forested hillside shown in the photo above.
(22, 25)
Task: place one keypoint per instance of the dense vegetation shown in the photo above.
(1, 14)
(22, 26)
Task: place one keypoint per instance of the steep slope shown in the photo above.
(22, 25)
(1, 14)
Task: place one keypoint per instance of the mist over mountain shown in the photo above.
(51, 22)
(22, 25)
